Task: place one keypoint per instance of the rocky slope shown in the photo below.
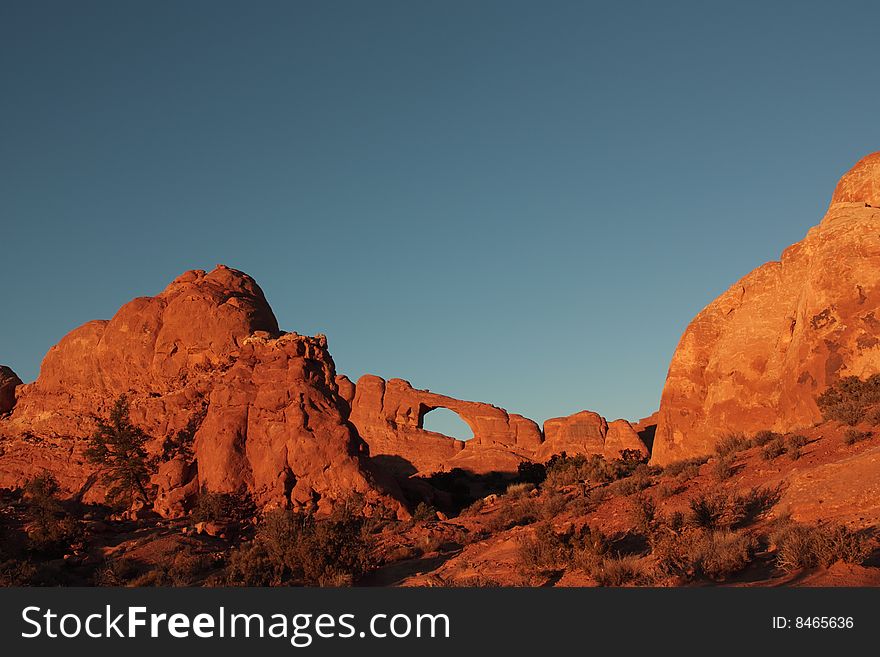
(757, 357)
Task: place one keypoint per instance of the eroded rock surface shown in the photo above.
(9, 381)
(207, 347)
(757, 356)
(389, 416)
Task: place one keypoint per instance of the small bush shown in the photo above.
(295, 548)
(853, 436)
(424, 513)
(520, 489)
(686, 469)
(531, 473)
(849, 399)
(621, 570)
(803, 546)
(544, 548)
(731, 444)
(643, 511)
(774, 449)
(222, 507)
(723, 468)
(514, 513)
(794, 446)
(50, 530)
(747, 508)
(763, 437)
(716, 554)
(708, 511)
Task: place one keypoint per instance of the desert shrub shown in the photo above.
(774, 449)
(798, 440)
(531, 473)
(731, 444)
(629, 485)
(521, 489)
(748, 507)
(17, 573)
(668, 490)
(544, 548)
(180, 444)
(685, 469)
(564, 470)
(806, 546)
(708, 511)
(621, 570)
(853, 436)
(552, 504)
(299, 548)
(424, 513)
(849, 399)
(513, 513)
(50, 529)
(716, 554)
(763, 437)
(222, 507)
(118, 448)
(723, 468)
(643, 512)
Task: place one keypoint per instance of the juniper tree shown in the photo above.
(118, 448)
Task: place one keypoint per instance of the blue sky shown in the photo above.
(520, 203)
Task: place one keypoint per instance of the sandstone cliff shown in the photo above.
(758, 355)
(207, 347)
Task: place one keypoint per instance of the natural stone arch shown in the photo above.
(438, 413)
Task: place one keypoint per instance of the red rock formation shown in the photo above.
(275, 422)
(9, 381)
(758, 355)
(588, 433)
(389, 417)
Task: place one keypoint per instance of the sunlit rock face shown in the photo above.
(757, 356)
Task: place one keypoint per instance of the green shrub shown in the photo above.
(424, 513)
(849, 399)
(50, 529)
(223, 507)
(300, 548)
(118, 447)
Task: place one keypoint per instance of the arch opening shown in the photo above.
(449, 423)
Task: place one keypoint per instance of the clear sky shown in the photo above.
(519, 203)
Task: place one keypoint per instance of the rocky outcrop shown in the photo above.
(9, 381)
(757, 356)
(588, 433)
(207, 346)
(389, 416)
